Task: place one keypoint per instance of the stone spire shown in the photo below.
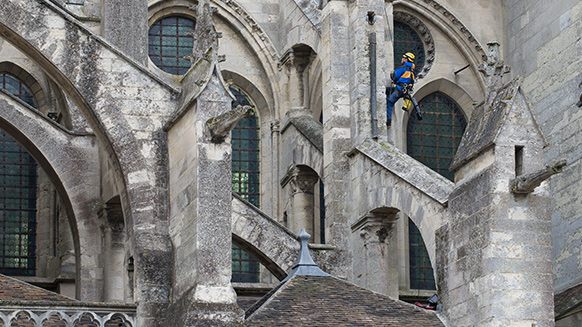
(305, 266)
(494, 69)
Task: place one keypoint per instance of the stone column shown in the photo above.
(376, 265)
(296, 63)
(114, 250)
(302, 181)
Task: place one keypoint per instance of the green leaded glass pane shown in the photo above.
(15, 87)
(434, 140)
(17, 208)
(169, 42)
(245, 268)
(245, 148)
(407, 40)
(421, 272)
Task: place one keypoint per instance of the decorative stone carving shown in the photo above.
(526, 183)
(67, 315)
(302, 181)
(114, 215)
(494, 69)
(254, 27)
(427, 39)
(220, 126)
(457, 23)
(204, 34)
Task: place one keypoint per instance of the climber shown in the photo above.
(403, 78)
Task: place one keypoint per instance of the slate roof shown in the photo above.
(568, 300)
(329, 301)
(486, 122)
(14, 290)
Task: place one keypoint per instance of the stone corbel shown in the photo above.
(526, 183)
(220, 126)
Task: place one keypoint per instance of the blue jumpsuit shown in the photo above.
(402, 77)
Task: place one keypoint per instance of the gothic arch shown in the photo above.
(261, 257)
(452, 27)
(50, 145)
(27, 25)
(424, 33)
(31, 82)
(257, 39)
(445, 86)
(252, 91)
(42, 96)
(267, 240)
(242, 23)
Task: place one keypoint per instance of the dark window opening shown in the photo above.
(435, 139)
(17, 209)
(407, 40)
(169, 42)
(245, 181)
(421, 272)
(245, 268)
(245, 153)
(15, 87)
(518, 160)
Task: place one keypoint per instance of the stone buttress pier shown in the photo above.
(494, 257)
(200, 189)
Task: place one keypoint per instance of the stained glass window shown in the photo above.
(245, 153)
(407, 40)
(168, 43)
(245, 181)
(17, 195)
(17, 208)
(245, 268)
(14, 86)
(434, 140)
(421, 273)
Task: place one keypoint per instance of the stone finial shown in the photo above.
(526, 183)
(305, 266)
(494, 69)
(204, 34)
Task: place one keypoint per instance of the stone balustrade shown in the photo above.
(67, 315)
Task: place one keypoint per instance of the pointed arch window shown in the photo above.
(432, 141)
(18, 182)
(245, 152)
(245, 181)
(169, 42)
(421, 272)
(435, 139)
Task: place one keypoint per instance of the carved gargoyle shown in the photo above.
(220, 126)
(526, 183)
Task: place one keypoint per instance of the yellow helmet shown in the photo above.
(409, 56)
